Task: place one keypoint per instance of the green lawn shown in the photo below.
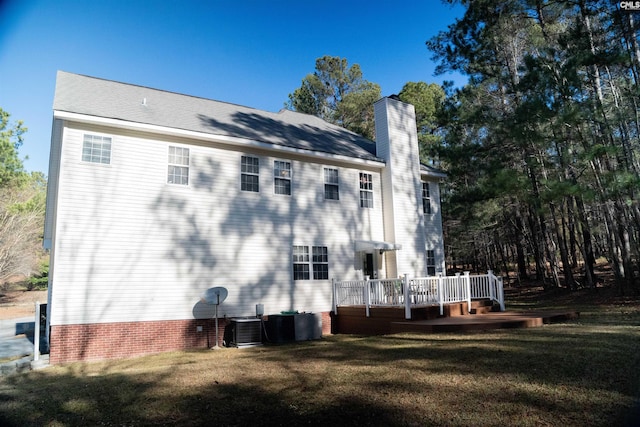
(581, 373)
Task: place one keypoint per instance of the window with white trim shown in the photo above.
(96, 149)
(250, 174)
(282, 177)
(331, 188)
(301, 263)
(426, 198)
(366, 190)
(178, 170)
(320, 261)
(431, 262)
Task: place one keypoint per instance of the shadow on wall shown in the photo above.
(245, 243)
(209, 234)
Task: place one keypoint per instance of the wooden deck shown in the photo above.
(427, 319)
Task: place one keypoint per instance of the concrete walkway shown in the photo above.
(16, 346)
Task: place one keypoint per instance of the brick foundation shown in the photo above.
(68, 343)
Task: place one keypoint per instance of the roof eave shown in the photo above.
(202, 136)
(432, 172)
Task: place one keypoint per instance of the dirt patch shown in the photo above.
(19, 303)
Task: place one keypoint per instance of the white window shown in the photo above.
(320, 261)
(178, 172)
(282, 177)
(301, 263)
(366, 190)
(426, 198)
(331, 188)
(96, 149)
(250, 174)
(431, 262)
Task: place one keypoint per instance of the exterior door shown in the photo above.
(369, 266)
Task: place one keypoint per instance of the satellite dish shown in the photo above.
(214, 296)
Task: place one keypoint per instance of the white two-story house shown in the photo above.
(154, 197)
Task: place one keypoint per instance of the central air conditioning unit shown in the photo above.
(244, 332)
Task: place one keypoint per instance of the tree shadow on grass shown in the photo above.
(37, 399)
(71, 400)
(556, 375)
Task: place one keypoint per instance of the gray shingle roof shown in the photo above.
(430, 170)
(109, 99)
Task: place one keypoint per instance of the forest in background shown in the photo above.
(540, 146)
(22, 206)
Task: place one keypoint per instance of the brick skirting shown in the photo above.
(68, 343)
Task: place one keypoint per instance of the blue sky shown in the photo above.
(250, 52)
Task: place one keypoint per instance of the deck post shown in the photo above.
(367, 295)
(440, 294)
(501, 293)
(467, 287)
(335, 299)
(36, 334)
(406, 291)
(492, 285)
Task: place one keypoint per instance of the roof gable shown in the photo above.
(108, 99)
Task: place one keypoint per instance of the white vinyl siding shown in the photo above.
(433, 227)
(52, 186)
(147, 251)
(397, 144)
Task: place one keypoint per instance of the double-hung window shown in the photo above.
(366, 190)
(96, 149)
(178, 171)
(431, 262)
(331, 189)
(304, 263)
(301, 263)
(426, 198)
(250, 174)
(282, 177)
(320, 262)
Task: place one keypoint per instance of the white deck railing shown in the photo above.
(432, 290)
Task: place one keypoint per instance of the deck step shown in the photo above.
(500, 320)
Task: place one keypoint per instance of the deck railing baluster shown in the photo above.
(408, 292)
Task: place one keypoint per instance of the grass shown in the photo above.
(582, 373)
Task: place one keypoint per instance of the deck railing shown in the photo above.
(432, 290)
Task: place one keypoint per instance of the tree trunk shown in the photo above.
(518, 242)
(562, 245)
(587, 247)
